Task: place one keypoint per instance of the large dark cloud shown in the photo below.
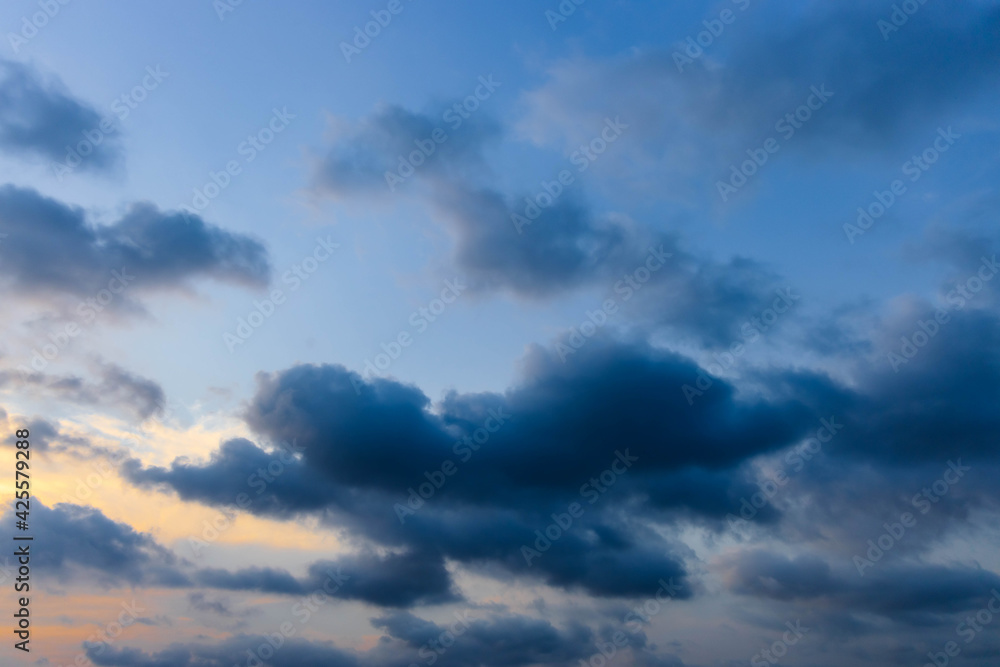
(936, 403)
(365, 444)
(39, 118)
(52, 248)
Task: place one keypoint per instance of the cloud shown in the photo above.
(79, 537)
(362, 152)
(507, 242)
(116, 387)
(42, 432)
(52, 249)
(892, 590)
(503, 640)
(202, 602)
(39, 118)
(82, 540)
(935, 405)
(566, 245)
(508, 639)
(366, 444)
(392, 580)
(687, 127)
(295, 652)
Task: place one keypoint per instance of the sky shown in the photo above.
(409, 333)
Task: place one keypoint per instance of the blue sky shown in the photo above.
(713, 156)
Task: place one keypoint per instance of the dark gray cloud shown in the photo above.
(40, 118)
(42, 432)
(115, 387)
(294, 652)
(732, 97)
(360, 154)
(52, 249)
(565, 246)
(508, 242)
(82, 538)
(393, 580)
(942, 57)
(218, 606)
(81, 542)
(893, 590)
(229, 473)
(568, 246)
(364, 444)
(504, 640)
(938, 403)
